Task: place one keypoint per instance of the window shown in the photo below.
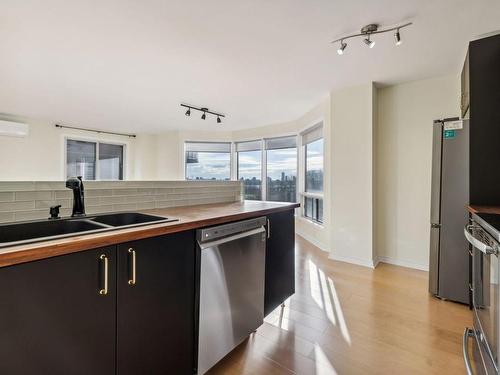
(312, 141)
(110, 162)
(313, 208)
(281, 169)
(94, 160)
(314, 166)
(208, 161)
(249, 160)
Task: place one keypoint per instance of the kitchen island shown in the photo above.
(125, 301)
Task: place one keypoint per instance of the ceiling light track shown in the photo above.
(204, 112)
(366, 33)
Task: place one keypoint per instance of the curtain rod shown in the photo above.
(96, 131)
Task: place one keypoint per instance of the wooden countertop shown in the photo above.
(474, 209)
(190, 217)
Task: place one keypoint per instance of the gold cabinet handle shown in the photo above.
(104, 259)
(268, 229)
(132, 280)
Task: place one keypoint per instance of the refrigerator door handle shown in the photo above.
(465, 350)
(486, 249)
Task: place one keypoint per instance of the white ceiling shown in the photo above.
(127, 65)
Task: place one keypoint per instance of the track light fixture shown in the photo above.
(204, 111)
(367, 31)
(342, 47)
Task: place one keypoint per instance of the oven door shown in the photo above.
(485, 290)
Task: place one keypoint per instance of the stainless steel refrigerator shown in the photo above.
(449, 255)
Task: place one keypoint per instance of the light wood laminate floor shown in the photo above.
(348, 319)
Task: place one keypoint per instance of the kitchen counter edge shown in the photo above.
(190, 217)
(475, 209)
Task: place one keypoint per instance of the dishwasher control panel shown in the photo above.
(213, 233)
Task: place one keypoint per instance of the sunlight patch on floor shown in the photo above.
(325, 295)
(315, 288)
(323, 364)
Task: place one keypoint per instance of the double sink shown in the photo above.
(42, 230)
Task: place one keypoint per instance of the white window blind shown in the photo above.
(208, 146)
(249, 146)
(312, 134)
(281, 142)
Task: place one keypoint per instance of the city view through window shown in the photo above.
(250, 172)
(208, 165)
(281, 172)
(282, 175)
(209, 161)
(314, 166)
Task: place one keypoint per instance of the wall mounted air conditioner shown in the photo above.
(13, 129)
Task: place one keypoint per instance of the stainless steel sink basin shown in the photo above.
(42, 230)
(128, 218)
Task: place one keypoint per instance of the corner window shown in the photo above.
(207, 161)
(312, 197)
(94, 160)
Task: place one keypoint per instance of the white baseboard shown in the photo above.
(359, 261)
(312, 240)
(403, 263)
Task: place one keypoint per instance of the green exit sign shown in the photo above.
(449, 134)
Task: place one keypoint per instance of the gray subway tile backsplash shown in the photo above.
(30, 200)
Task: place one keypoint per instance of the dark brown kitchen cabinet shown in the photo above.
(53, 317)
(280, 259)
(155, 310)
(126, 309)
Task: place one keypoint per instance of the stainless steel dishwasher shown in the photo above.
(232, 262)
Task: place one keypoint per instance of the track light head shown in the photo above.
(368, 42)
(397, 36)
(342, 47)
(218, 120)
(188, 112)
(203, 116)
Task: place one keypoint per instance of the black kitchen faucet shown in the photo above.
(76, 184)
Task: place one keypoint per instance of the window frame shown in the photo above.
(304, 194)
(264, 149)
(124, 146)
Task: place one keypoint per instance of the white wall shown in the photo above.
(40, 156)
(352, 175)
(404, 155)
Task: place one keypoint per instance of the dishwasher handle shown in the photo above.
(206, 245)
